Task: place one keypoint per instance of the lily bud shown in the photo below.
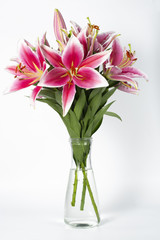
(59, 26)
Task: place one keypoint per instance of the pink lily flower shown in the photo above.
(30, 69)
(92, 41)
(119, 68)
(72, 69)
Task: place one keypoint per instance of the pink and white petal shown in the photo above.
(91, 47)
(58, 25)
(20, 84)
(13, 70)
(123, 78)
(52, 56)
(103, 37)
(128, 89)
(134, 72)
(68, 94)
(35, 93)
(57, 77)
(73, 53)
(44, 40)
(95, 60)
(89, 78)
(28, 57)
(29, 44)
(83, 40)
(76, 27)
(109, 41)
(115, 70)
(97, 47)
(40, 55)
(44, 66)
(117, 53)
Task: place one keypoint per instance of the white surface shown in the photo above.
(39, 223)
(34, 148)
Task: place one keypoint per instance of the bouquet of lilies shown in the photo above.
(78, 78)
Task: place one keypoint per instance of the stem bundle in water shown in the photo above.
(85, 185)
(74, 188)
(83, 195)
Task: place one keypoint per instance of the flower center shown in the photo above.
(27, 73)
(71, 73)
(19, 68)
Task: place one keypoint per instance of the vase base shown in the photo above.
(81, 224)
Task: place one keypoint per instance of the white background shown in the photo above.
(34, 147)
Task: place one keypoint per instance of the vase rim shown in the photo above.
(80, 139)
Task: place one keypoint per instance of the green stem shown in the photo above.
(83, 194)
(74, 189)
(90, 193)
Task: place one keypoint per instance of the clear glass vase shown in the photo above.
(81, 203)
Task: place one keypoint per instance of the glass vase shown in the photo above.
(81, 203)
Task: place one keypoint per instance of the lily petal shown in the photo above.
(73, 53)
(97, 47)
(68, 94)
(20, 84)
(57, 77)
(44, 40)
(123, 78)
(115, 70)
(14, 70)
(109, 41)
(59, 24)
(76, 27)
(95, 60)
(128, 89)
(133, 72)
(116, 54)
(29, 44)
(52, 56)
(83, 40)
(103, 37)
(89, 78)
(40, 56)
(34, 94)
(28, 57)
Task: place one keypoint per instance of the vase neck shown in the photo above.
(81, 153)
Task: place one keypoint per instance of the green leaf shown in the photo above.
(78, 109)
(58, 97)
(95, 103)
(107, 95)
(112, 114)
(72, 124)
(96, 126)
(47, 93)
(75, 123)
(99, 117)
(88, 132)
(102, 111)
(92, 109)
(94, 92)
(85, 120)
